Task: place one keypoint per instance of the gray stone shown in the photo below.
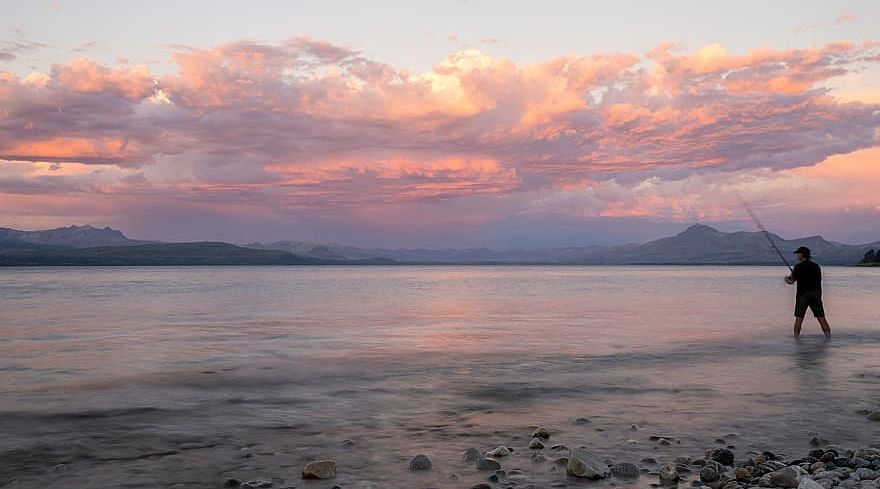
(669, 474)
(487, 463)
(625, 470)
(721, 455)
(785, 477)
(500, 451)
(535, 444)
(420, 462)
(319, 469)
(582, 463)
(807, 483)
(256, 484)
(541, 432)
(231, 482)
(875, 416)
(471, 455)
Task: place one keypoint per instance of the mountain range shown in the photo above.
(699, 244)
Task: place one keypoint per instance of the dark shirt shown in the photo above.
(808, 276)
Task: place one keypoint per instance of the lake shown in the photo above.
(174, 376)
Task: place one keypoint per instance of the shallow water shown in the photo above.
(148, 377)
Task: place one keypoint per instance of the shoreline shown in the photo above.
(722, 466)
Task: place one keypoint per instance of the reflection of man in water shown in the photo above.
(808, 276)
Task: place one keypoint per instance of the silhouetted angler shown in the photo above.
(808, 276)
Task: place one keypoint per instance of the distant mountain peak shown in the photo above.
(699, 228)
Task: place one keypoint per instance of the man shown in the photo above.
(808, 276)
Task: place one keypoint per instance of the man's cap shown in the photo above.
(803, 250)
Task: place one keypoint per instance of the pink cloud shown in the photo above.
(304, 123)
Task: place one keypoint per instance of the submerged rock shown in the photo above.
(583, 463)
(319, 469)
(256, 484)
(625, 470)
(471, 455)
(500, 451)
(536, 444)
(420, 462)
(487, 463)
(541, 432)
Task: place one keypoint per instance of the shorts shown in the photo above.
(813, 300)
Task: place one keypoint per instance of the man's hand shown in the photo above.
(789, 280)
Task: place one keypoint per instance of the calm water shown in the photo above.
(149, 377)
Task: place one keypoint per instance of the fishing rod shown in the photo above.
(763, 230)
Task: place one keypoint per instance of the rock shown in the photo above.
(582, 463)
(487, 463)
(231, 482)
(420, 462)
(581, 421)
(711, 472)
(320, 469)
(559, 447)
(664, 441)
(785, 477)
(256, 484)
(634, 427)
(818, 441)
(541, 432)
(471, 455)
(742, 473)
(625, 470)
(493, 478)
(648, 461)
(535, 444)
(669, 475)
(481, 485)
(721, 455)
(347, 443)
(807, 483)
(500, 451)
(538, 457)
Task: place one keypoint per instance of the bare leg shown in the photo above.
(797, 327)
(826, 329)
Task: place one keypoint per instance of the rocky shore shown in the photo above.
(516, 466)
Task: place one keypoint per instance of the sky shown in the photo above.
(440, 124)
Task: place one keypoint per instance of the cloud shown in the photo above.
(304, 124)
(10, 50)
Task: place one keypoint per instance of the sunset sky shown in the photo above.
(440, 124)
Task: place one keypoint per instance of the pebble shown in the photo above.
(785, 477)
(471, 455)
(256, 484)
(541, 432)
(669, 475)
(320, 469)
(625, 470)
(583, 463)
(500, 451)
(420, 462)
(722, 456)
(487, 463)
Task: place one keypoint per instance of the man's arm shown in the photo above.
(790, 279)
